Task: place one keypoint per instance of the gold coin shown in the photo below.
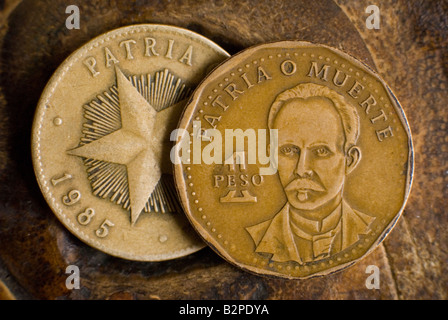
(101, 142)
(300, 160)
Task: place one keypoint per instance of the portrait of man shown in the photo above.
(317, 135)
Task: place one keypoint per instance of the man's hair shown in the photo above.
(348, 113)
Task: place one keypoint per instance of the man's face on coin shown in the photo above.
(311, 163)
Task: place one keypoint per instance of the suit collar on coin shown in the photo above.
(277, 236)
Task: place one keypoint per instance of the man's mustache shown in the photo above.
(297, 184)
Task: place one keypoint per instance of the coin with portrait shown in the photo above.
(101, 139)
(301, 160)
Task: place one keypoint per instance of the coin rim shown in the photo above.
(47, 93)
(188, 114)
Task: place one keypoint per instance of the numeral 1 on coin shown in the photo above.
(231, 196)
(56, 181)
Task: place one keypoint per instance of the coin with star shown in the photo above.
(101, 139)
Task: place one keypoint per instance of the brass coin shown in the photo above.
(100, 140)
(300, 160)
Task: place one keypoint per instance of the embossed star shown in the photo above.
(138, 144)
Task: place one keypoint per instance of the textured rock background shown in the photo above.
(409, 51)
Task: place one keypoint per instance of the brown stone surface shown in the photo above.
(409, 51)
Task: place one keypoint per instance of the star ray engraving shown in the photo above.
(137, 144)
